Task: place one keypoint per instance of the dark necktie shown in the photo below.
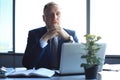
(54, 57)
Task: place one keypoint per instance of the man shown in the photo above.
(38, 52)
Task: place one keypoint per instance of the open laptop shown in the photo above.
(71, 58)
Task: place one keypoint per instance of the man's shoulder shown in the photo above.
(69, 30)
(38, 29)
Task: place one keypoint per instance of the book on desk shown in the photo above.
(23, 72)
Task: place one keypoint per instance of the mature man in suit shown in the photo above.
(38, 51)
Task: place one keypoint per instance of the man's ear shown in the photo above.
(44, 18)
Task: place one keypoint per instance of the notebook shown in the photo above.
(71, 58)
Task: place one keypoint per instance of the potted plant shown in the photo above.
(92, 61)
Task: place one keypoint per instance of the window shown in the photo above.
(104, 21)
(105, 17)
(29, 16)
(6, 24)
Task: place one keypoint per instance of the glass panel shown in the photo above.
(105, 15)
(6, 12)
(29, 16)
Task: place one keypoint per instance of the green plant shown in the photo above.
(91, 48)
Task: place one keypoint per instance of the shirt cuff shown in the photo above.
(43, 43)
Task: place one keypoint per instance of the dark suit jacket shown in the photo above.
(37, 57)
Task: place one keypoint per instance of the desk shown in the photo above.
(104, 75)
(77, 77)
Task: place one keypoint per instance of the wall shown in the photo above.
(8, 60)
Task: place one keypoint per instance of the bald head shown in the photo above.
(48, 6)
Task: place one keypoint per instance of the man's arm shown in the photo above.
(72, 37)
(33, 52)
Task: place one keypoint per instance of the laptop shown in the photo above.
(71, 58)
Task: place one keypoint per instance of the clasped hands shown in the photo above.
(55, 31)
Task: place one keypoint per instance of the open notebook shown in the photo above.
(23, 72)
(71, 58)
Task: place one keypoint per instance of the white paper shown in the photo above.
(43, 72)
(111, 67)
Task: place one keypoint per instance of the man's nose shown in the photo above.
(55, 17)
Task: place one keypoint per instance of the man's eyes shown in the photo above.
(52, 14)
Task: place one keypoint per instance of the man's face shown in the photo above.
(52, 16)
